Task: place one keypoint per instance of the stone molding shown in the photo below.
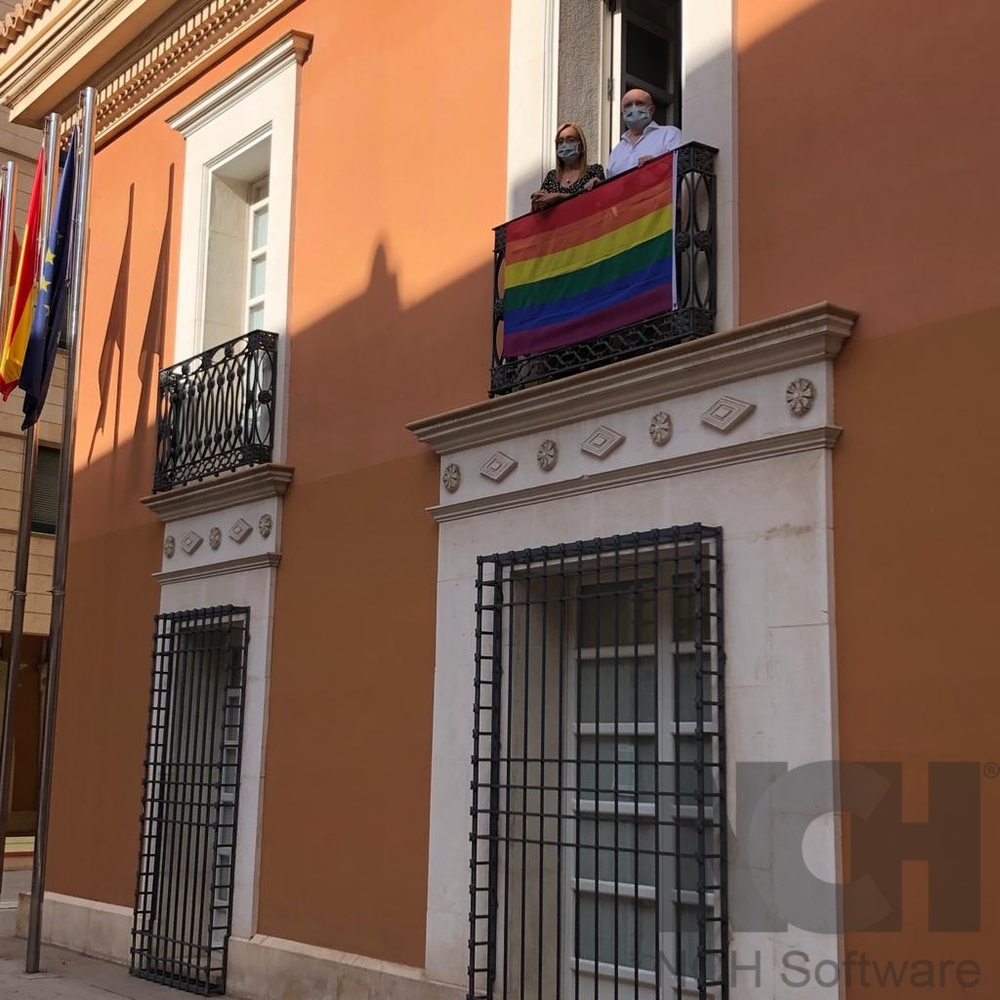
(815, 333)
(257, 966)
(163, 50)
(747, 451)
(259, 482)
(100, 930)
(264, 560)
(295, 46)
(17, 22)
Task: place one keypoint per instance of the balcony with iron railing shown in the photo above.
(216, 411)
(616, 326)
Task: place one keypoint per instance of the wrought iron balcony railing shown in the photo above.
(216, 411)
(694, 228)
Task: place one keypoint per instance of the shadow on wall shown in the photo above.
(358, 375)
(150, 358)
(371, 366)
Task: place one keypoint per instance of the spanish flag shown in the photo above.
(25, 292)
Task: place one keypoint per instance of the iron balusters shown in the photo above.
(216, 411)
(694, 282)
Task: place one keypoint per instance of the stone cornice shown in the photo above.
(65, 48)
(137, 53)
(815, 333)
(19, 19)
(294, 47)
(264, 560)
(258, 482)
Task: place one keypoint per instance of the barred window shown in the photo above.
(598, 794)
(183, 903)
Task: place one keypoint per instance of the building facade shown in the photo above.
(20, 145)
(444, 673)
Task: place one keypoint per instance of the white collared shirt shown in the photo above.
(655, 140)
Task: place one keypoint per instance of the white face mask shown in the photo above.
(637, 117)
(568, 152)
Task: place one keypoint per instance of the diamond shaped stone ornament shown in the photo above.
(498, 466)
(190, 542)
(602, 442)
(726, 412)
(239, 531)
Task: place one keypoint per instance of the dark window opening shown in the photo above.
(45, 498)
(651, 56)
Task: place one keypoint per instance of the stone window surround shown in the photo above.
(256, 102)
(751, 421)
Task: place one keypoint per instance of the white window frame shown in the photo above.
(256, 203)
(258, 101)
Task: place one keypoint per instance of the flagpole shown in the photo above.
(20, 591)
(6, 234)
(78, 249)
(10, 688)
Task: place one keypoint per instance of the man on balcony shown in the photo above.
(643, 139)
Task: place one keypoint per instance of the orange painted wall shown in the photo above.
(400, 176)
(115, 542)
(866, 158)
(867, 176)
(390, 320)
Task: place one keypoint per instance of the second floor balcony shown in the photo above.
(626, 268)
(216, 411)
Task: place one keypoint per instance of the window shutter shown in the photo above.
(46, 496)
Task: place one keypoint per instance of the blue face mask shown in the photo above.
(568, 152)
(637, 117)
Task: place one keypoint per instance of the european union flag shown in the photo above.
(48, 325)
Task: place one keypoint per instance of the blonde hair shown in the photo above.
(583, 149)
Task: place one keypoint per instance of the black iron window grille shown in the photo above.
(694, 283)
(598, 864)
(183, 900)
(216, 411)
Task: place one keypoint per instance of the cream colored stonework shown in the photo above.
(36, 619)
(141, 50)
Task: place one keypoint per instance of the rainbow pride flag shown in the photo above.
(595, 263)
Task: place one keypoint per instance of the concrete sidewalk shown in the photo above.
(65, 975)
(68, 976)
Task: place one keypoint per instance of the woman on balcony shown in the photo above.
(572, 173)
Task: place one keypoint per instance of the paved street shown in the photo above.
(67, 976)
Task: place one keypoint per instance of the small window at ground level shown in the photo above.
(45, 505)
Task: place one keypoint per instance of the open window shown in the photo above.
(236, 253)
(645, 54)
